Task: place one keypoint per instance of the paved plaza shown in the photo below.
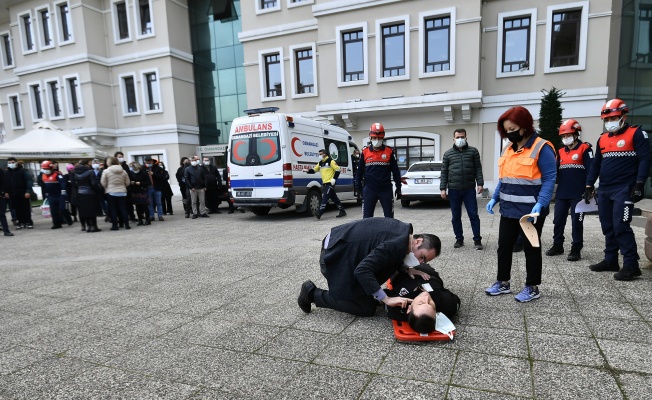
(207, 309)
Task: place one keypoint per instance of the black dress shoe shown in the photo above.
(307, 296)
(205, 216)
(160, 218)
(627, 274)
(604, 265)
(9, 234)
(194, 216)
(458, 243)
(56, 227)
(555, 250)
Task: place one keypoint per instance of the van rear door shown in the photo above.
(256, 166)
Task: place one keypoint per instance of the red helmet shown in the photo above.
(570, 126)
(614, 107)
(46, 165)
(377, 130)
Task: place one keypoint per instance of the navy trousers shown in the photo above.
(371, 197)
(559, 221)
(614, 209)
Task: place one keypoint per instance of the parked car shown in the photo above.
(421, 182)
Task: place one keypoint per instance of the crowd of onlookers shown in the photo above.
(121, 192)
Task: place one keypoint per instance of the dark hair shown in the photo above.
(430, 241)
(322, 151)
(460, 130)
(148, 158)
(11, 159)
(521, 117)
(83, 162)
(183, 159)
(421, 323)
(118, 152)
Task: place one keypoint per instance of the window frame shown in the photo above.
(583, 39)
(42, 31)
(637, 28)
(261, 10)
(532, 12)
(33, 104)
(3, 48)
(263, 74)
(299, 3)
(339, 47)
(146, 91)
(60, 24)
(13, 112)
(78, 96)
(23, 31)
(123, 94)
(116, 22)
(50, 99)
(294, 73)
(137, 19)
(380, 47)
(452, 42)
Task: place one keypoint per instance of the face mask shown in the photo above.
(12, 166)
(120, 159)
(207, 163)
(567, 141)
(96, 166)
(411, 260)
(376, 143)
(514, 136)
(148, 165)
(460, 142)
(613, 126)
(47, 171)
(193, 163)
(323, 156)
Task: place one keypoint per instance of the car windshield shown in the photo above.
(425, 167)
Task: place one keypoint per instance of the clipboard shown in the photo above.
(529, 229)
(582, 207)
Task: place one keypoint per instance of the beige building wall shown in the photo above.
(472, 97)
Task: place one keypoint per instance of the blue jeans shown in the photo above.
(154, 199)
(456, 198)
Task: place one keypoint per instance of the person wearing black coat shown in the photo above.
(156, 190)
(225, 179)
(17, 186)
(166, 194)
(3, 207)
(358, 257)
(182, 185)
(195, 176)
(89, 190)
(213, 183)
(140, 182)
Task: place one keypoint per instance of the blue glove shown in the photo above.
(490, 206)
(535, 210)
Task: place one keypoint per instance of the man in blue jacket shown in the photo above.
(358, 257)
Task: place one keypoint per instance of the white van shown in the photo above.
(269, 153)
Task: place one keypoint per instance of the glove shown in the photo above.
(637, 192)
(310, 171)
(535, 210)
(588, 193)
(397, 193)
(333, 182)
(63, 192)
(490, 206)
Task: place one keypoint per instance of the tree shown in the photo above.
(550, 116)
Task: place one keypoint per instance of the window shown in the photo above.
(272, 74)
(297, 3)
(54, 99)
(392, 49)
(352, 61)
(120, 21)
(73, 95)
(64, 22)
(128, 88)
(7, 52)
(517, 43)
(36, 101)
(151, 91)
(412, 149)
(566, 31)
(15, 111)
(437, 43)
(304, 71)
(644, 40)
(45, 27)
(144, 18)
(26, 32)
(255, 148)
(337, 151)
(265, 6)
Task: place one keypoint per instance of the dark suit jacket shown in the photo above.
(404, 286)
(363, 254)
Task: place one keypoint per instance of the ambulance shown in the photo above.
(269, 154)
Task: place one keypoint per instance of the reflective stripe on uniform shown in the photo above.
(517, 199)
(521, 181)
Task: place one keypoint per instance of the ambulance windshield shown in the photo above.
(255, 148)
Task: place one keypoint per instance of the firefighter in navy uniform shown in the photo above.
(376, 167)
(573, 163)
(54, 189)
(622, 161)
(330, 171)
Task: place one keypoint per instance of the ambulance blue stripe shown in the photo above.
(259, 183)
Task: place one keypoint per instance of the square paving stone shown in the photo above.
(260, 376)
(490, 340)
(323, 382)
(391, 388)
(360, 354)
(637, 331)
(493, 373)
(439, 362)
(636, 386)
(564, 349)
(109, 316)
(20, 357)
(571, 324)
(158, 324)
(102, 349)
(491, 317)
(377, 328)
(627, 356)
(297, 345)
(41, 377)
(324, 320)
(241, 337)
(606, 309)
(559, 381)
